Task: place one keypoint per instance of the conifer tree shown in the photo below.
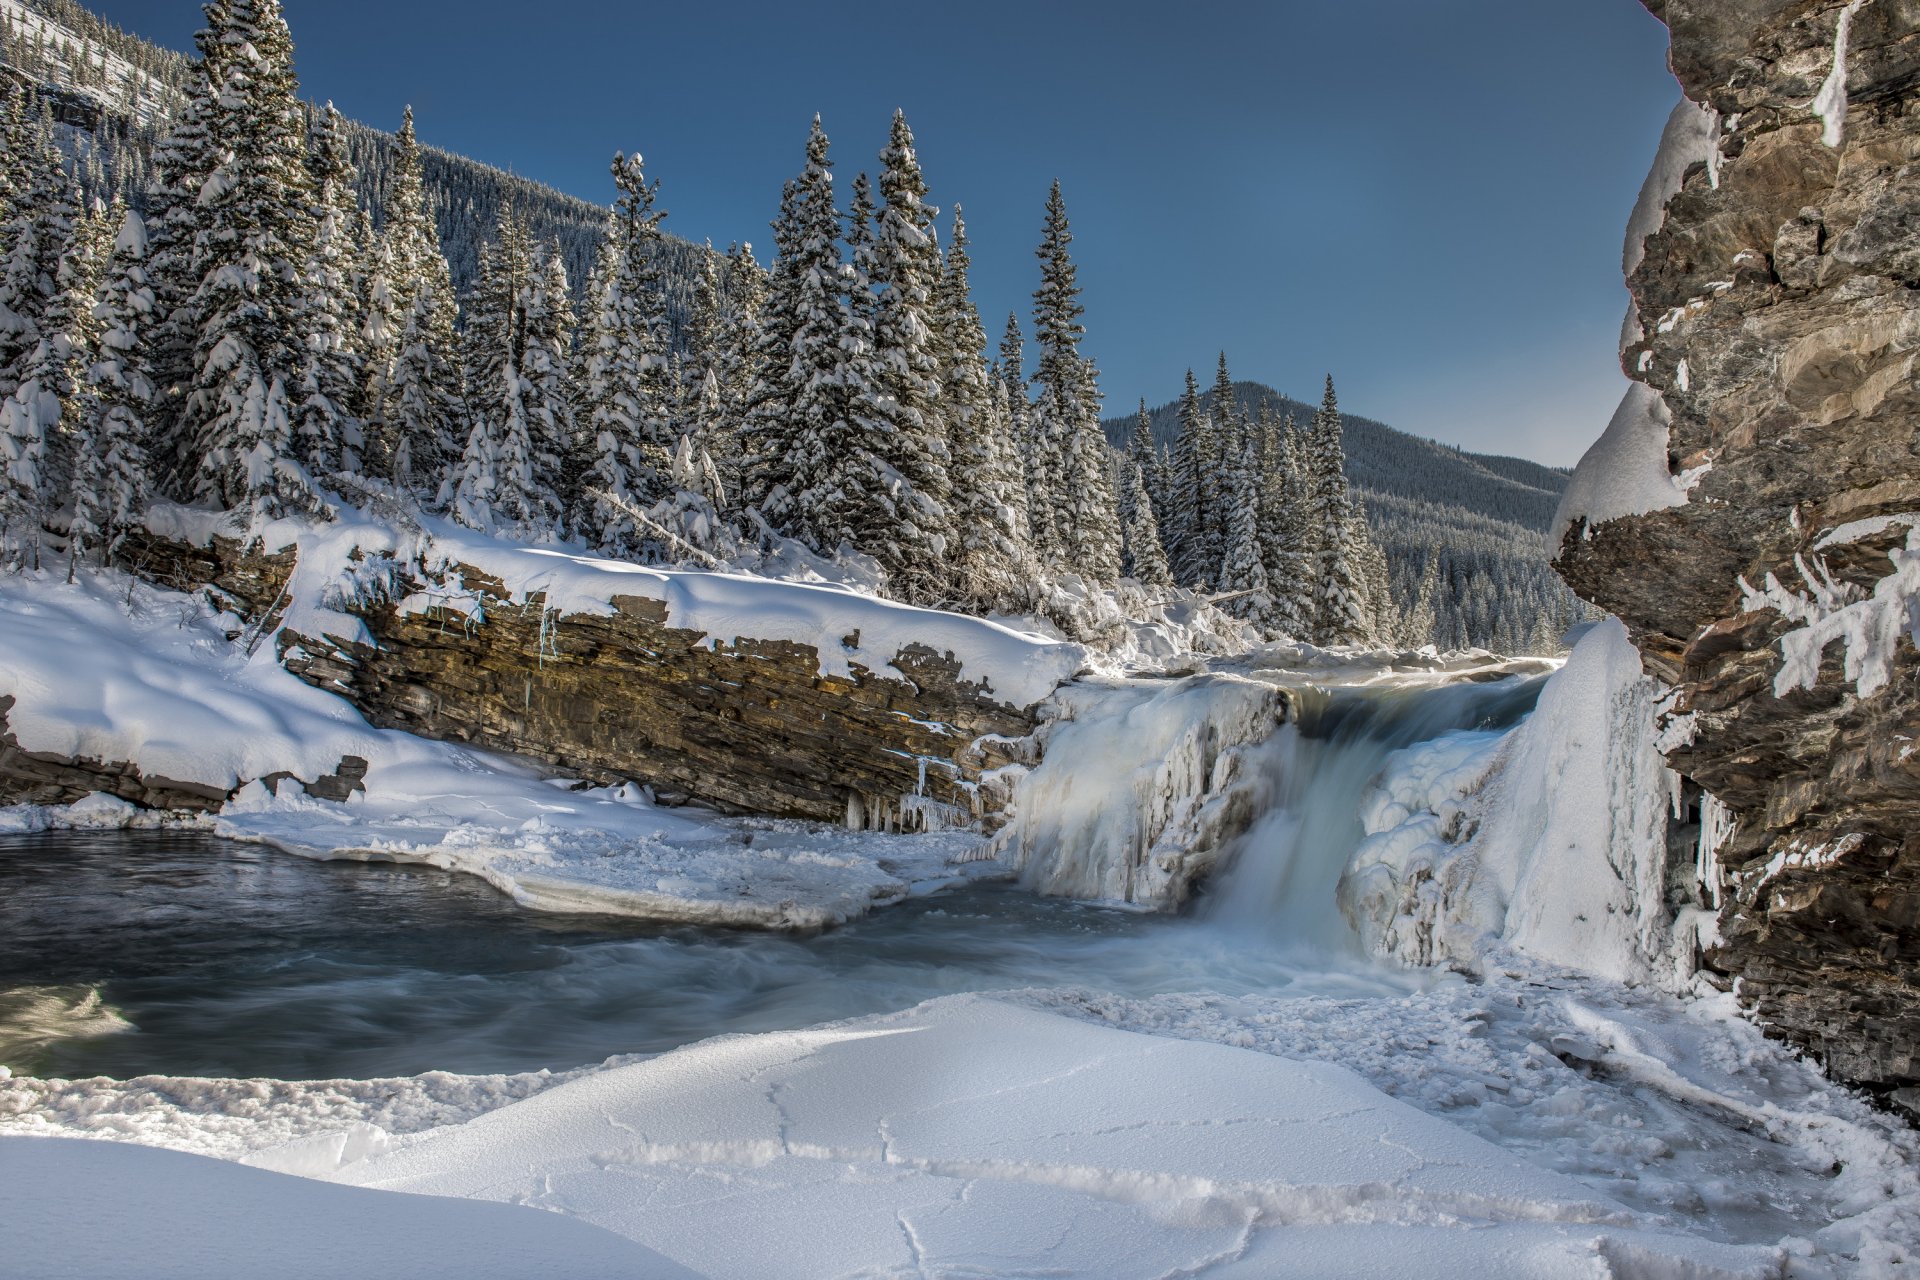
(504, 481)
(257, 226)
(1041, 536)
(548, 367)
(33, 240)
(1068, 411)
(626, 372)
(1197, 550)
(328, 435)
(902, 423)
(1146, 558)
(1422, 622)
(1243, 570)
(1291, 547)
(1343, 615)
(110, 479)
(797, 403)
(40, 418)
(988, 488)
(735, 374)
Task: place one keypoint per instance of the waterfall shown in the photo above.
(1280, 880)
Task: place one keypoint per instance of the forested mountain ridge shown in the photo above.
(1383, 460)
(117, 93)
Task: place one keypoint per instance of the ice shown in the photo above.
(1830, 104)
(1625, 473)
(1869, 628)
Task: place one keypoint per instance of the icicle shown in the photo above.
(1830, 104)
(1717, 824)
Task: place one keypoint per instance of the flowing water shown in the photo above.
(140, 953)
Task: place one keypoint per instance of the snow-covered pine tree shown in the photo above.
(1042, 539)
(741, 303)
(700, 345)
(559, 456)
(257, 226)
(328, 436)
(1086, 520)
(413, 394)
(1288, 533)
(185, 163)
(986, 475)
(797, 405)
(625, 373)
(16, 150)
(902, 422)
(1343, 614)
(1422, 621)
(1196, 551)
(1146, 557)
(1243, 568)
(33, 240)
(40, 420)
(499, 484)
(110, 477)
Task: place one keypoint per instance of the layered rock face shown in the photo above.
(1778, 315)
(752, 726)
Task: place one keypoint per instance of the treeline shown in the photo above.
(257, 341)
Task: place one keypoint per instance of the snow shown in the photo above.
(1689, 138)
(356, 559)
(112, 670)
(1830, 103)
(969, 1136)
(1625, 473)
(167, 1215)
(1869, 627)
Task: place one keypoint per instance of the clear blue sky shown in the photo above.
(1424, 197)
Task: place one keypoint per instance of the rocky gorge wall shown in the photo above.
(1776, 312)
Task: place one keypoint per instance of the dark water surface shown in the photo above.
(133, 953)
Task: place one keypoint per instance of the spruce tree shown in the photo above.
(624, 368)
(33, 240)
(1085, 518)
(504, 481)
(1197, 551)
(257, 227)
(1343, 615)
(328, 436)
(1289, 533)
(110, 478)
(1042, 538)
(735, 373)
(797, 404)
(988, 487)
(909, 530)
(1243, 568)
(1146, 557)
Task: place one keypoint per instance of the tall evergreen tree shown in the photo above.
(1086, 520)
(328, 436)
(257, 229)
(1197, 548)
(1343, 614)
(1146, 557)
(987, 485)
(33, 240)
(505, 479)
(626, 381)
(735, 373)
(110, 478)
(1290, 533)
(1042, 538)
(797, 406)
(1243, 570)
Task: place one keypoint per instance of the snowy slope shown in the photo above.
(124, 89)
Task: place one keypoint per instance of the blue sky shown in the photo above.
(1424, 197)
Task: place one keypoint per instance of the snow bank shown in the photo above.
(116, 671)
(1625, 472)
(1691, 137)
(79, 1210)
(356, 559)
(971, 1137)
(1140, 784)
(1551, 838)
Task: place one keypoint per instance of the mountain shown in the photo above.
(1484, 517)
(113, 95)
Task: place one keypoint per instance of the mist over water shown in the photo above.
(137, 953)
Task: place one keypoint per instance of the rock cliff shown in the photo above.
(1777, 314)
(744, 725)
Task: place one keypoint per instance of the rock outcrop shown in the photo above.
(1777, 312)
(750, 726)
